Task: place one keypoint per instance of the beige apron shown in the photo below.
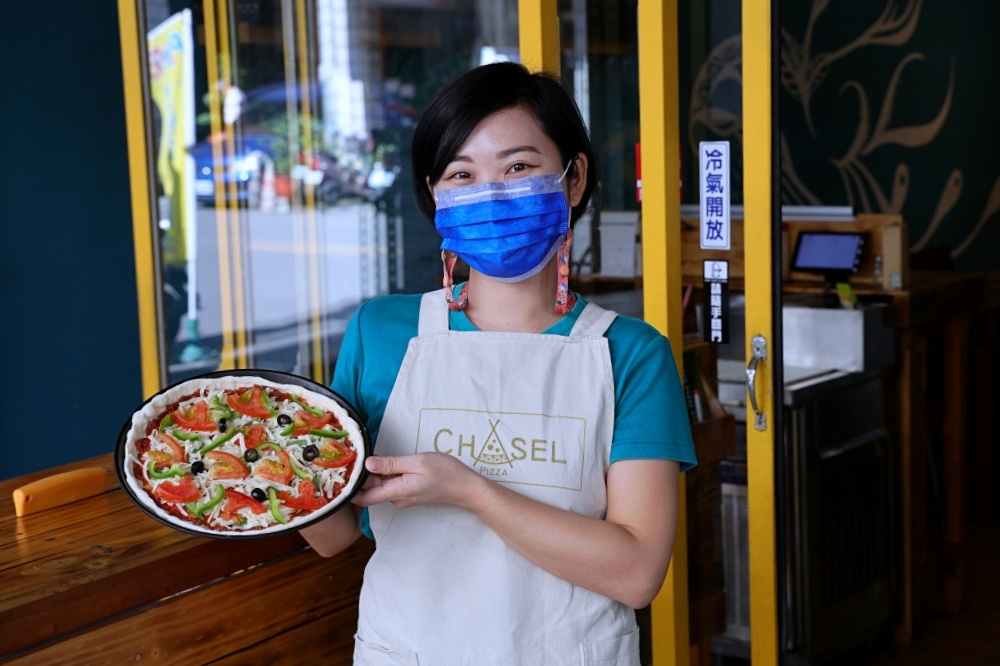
(532, 412)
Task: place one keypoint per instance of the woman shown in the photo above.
(523, 498)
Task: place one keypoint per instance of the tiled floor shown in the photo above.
(969, 639)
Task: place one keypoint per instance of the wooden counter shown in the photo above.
(98, 580)
(930, 390)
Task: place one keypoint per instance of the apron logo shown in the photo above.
(493, 451)
(534, 449)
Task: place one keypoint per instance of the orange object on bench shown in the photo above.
(58, 489)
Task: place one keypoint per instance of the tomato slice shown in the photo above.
(226, 466)
(160, 458)
(182, 491)
(235, 500)
(307, 499)
(333, 454)
(254, 435)
(250, 403)
(279, 471)
(304, 422)
(195, 417)
(177, 454)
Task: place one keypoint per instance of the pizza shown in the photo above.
(241, 455)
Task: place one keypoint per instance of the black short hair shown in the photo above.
(460, 106)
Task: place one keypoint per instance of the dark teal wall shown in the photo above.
(69, 351)
(913, 87)
(887, 106)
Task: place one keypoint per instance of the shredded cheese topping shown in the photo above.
(335, 484)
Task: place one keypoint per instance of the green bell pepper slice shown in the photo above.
(272, 498)
(186, 436)
(299, 472)
(312, 410)
(266, 400)
(219, 441)
(220, 409)
(198, 508)
(329, 434)
(169, 472)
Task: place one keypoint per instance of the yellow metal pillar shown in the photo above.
(212, 58)
(317, 344)
(659, 134)
(538, 34)
(234, 336)
(758, 178)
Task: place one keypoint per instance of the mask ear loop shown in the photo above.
(448, 260)
(565, 299)
(566, 170)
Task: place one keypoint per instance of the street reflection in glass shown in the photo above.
(279, 142)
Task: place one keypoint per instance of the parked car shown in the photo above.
(245, 167)
(251, 168)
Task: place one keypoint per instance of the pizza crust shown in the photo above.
(154, 408)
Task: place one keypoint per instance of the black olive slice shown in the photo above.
(284, 419)
(310, 452)
(197, 467)
(251, 455)
(258, 494)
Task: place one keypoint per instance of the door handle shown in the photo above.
(758, 351)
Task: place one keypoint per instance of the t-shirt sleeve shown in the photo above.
(651, 419)
(346, 382)
(347, 371)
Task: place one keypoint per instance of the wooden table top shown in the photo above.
(931, 296)
(73, 565)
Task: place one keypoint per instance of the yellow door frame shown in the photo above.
(140, 188)
(759, 201)
(153, 361)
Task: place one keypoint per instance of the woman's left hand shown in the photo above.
(421, 478)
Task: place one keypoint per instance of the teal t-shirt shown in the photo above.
(651, 418)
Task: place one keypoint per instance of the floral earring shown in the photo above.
(448, 260)
(565, 299)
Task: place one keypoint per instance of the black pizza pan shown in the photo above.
(279, 378)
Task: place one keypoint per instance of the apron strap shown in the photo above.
(433, 313)
(594, 321)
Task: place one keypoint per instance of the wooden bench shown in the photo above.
(98, 580)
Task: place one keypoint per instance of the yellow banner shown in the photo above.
(171, 87)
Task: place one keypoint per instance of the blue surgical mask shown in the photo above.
(506, 231)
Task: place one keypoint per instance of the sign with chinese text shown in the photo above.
(716, 301)
(713, 166)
